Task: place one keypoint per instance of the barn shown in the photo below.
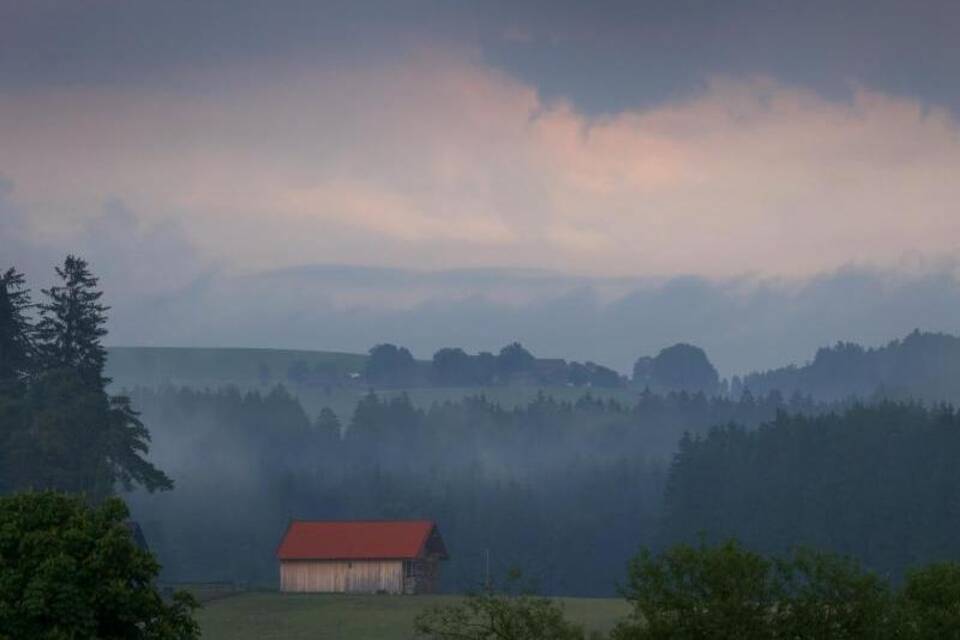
(360, 556)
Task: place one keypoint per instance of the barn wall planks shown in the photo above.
(340, 576)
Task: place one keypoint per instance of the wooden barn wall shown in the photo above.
(334, 576)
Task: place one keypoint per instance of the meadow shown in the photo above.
(274, 616)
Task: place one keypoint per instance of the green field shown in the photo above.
(213, 367)
(269, 616)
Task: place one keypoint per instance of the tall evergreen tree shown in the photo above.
(72, 324)
(15, 328)
(78, 438)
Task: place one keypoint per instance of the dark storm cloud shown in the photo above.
(612, 54)
(605, 56)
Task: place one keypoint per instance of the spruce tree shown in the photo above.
(15, 329)
(72, 324)
(88, 441)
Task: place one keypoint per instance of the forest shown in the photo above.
(564, 490)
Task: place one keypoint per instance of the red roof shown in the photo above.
(354, 540)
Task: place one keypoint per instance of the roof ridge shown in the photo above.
(409, 520)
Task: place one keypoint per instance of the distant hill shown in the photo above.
(922, 365)
(199, 367)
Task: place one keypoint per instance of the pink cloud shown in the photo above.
(441, 161)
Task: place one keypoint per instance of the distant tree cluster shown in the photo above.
(923, 366)
(392, 366)
(59, 428)
(682, 367)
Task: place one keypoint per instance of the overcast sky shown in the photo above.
(186, 147)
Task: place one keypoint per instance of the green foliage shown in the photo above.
(704, 592)
(728, 592)
(929, 603)
(489, 615)
(71, 571)
(829, 596)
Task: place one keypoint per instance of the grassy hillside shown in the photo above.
(267, 616)
(198, 367)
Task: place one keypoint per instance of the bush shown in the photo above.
(728, 592)
(68, 570)
(489, 615)
(929, 603)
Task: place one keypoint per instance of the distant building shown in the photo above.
(384, 556)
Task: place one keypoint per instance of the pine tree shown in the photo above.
(72, 324)
(84, 440)
(15, 329)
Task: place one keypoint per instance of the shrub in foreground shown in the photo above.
(69, 570)
(491, 615)
(727, 592)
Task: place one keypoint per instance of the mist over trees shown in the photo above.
(564, 490)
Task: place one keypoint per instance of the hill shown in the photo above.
(201, 367)
(922, 365)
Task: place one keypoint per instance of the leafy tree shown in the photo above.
(604, 377)
(389, 365)
(485, 365)
(830, 596)
(489, 615)
(929, 603)
(453, 367)
(68, 570)
(703, 592)
(72, 324)
(726, 591)
(684, 367)
(643, 371)
(16, 332)
(513, 359)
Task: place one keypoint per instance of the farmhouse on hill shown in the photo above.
(383, 556)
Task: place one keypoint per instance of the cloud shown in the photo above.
(440, 161)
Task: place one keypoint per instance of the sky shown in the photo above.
(599, 179)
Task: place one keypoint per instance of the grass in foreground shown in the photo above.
(267, 616)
